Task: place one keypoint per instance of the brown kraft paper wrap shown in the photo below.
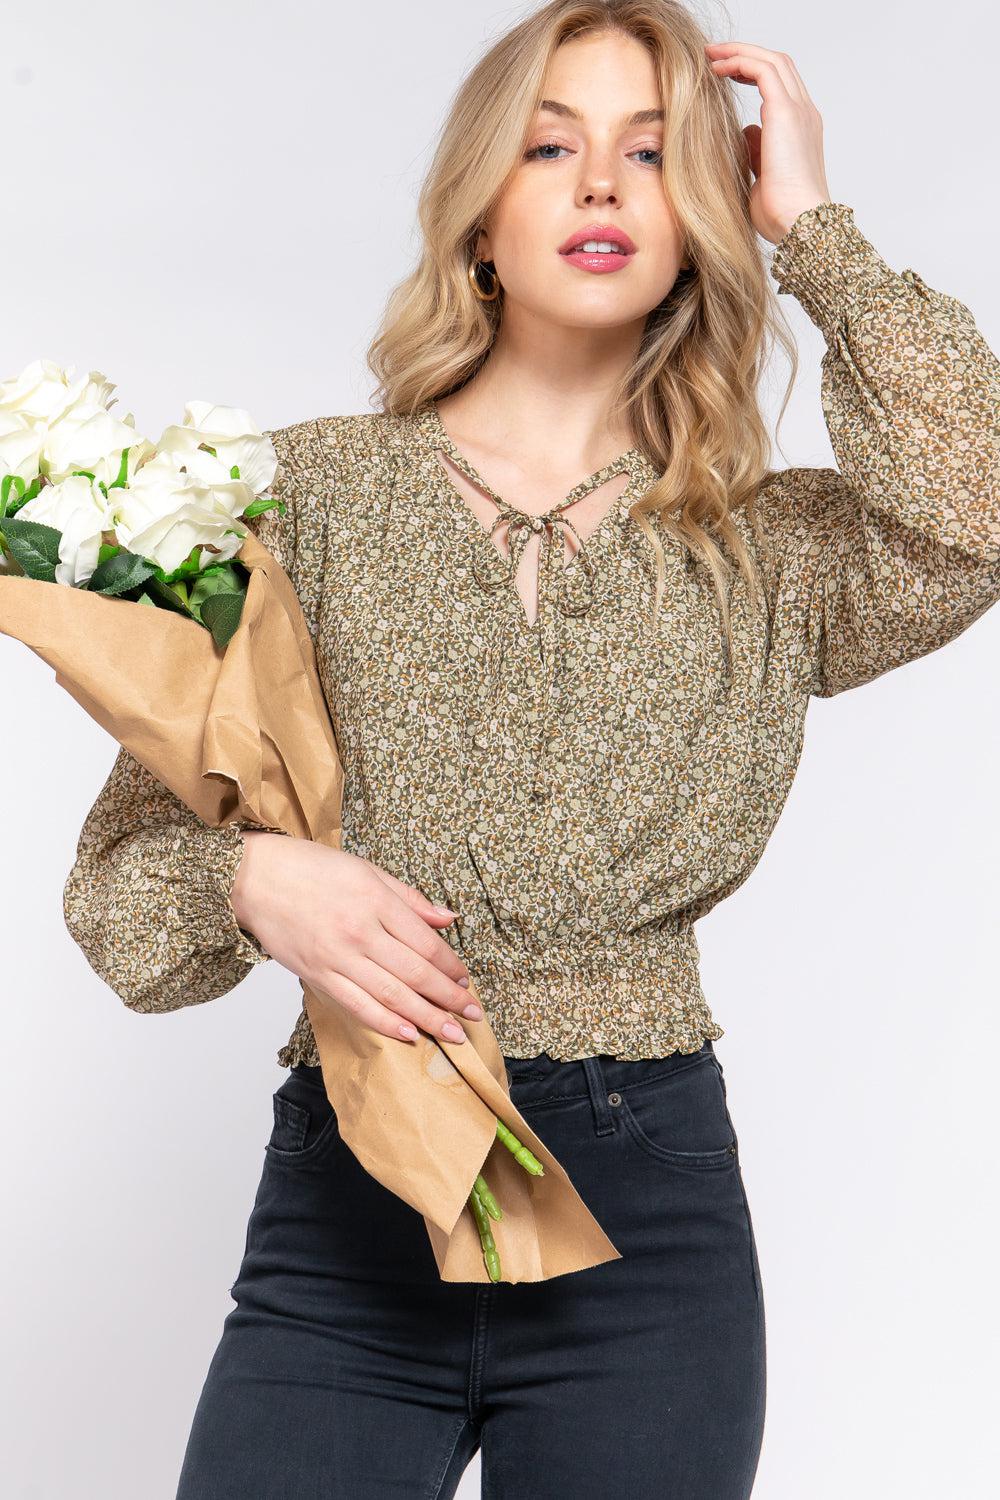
(245, 734)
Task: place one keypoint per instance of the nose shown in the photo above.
(599, 185)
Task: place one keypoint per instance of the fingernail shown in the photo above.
(410, 1032)
(464, 981)
(446, 911)
(473, 1012)
(453, 1031)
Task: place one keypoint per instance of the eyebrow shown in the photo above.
(639, 117)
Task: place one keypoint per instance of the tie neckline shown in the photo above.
(564, 578)
(442, 439)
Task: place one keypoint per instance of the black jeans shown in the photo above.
(348, 1369)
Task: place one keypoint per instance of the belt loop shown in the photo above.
(604, 1121)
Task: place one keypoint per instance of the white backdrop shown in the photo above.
(211, 202)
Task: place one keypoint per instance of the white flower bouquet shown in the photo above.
(216, 692)
(85, 500)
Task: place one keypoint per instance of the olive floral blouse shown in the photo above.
(582, 787)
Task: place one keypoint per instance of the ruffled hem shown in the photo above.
(686, 1035)
(689, 1036)
(301, 1045)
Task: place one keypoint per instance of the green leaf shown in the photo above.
(8, 483)
(122, 476)
(119, 574)
(219, 579)
(34, 546)
(164, 595)
(262, 503)
(222, 613)
(186, 568)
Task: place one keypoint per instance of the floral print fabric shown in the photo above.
(582, 789)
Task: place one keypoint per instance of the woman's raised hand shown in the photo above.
(353, 932)
(786, 149)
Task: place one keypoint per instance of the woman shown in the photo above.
(570, 710)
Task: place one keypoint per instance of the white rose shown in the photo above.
(235, 437)
(44, 392)
(89, 437)
(77, 507)
(20, 450)
(166, 511)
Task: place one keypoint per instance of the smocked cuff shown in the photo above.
(221, 873)
(823, 260)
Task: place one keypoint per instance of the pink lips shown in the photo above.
(610, 233)
(598, 260)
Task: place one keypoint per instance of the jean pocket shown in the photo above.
(305, 1123)
(680, 1118)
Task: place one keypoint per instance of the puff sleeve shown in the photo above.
(147, 898)
(897, 550)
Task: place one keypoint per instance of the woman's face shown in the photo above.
(584, 164)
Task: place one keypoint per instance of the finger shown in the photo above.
(392, 993)
(414, 898)
(790, 63)
(423, 979)
(779, 62)
(762, 75)
(399, 918)
(363, 1007)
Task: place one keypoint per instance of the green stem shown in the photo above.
(490, 1255)
(487, 1199)
(483, 1203)
(520, 1153)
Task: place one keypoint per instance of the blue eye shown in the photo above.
(545, 146)
(535, 153)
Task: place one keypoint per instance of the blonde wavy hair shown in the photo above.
(690, 396)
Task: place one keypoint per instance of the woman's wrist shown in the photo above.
(246, 880)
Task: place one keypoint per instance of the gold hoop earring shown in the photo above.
(473, 273)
